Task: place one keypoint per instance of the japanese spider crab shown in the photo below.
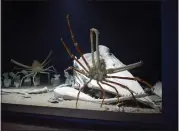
(98, 71)
(36, 67)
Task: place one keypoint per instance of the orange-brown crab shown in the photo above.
(98, 69)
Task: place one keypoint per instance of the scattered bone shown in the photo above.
(26, 92)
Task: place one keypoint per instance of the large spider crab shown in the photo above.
(96, 70)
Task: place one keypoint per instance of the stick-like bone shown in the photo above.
(35, 91)
(127, 67)
(20, 64)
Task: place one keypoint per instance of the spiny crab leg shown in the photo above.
(46, 63)
(97, 47)
(92, 49)
(20, 64)
(47, 57)
(75, 42)
(72, 68)
(80, 91)
(123, 86)
(127, 67)
(103, 93)
(72, 56)
(113, 88)
(130, 78)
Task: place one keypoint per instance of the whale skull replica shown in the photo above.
(101, 70)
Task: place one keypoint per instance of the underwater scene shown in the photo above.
(89, 55)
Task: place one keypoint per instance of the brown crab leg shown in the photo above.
(103, 93)
(72, 56)
(82, 88)
(130, 78)
(75, 42)
(123, 86)
(113, 88)
(72, 68)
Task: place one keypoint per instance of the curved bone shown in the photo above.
(69, 93)
(112, 62)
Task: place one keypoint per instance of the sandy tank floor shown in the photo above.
(42, 100)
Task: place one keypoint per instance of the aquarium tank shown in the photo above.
(83, 56)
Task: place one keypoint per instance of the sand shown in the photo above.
(42, 100)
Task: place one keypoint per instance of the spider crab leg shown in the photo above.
(72, 56)
(112, 87)
(46, 63)
(47, 73)
(97, 64)
(50, 53)
(127, 67)
(103, 93)
(24, 78)
(123, 86)
(17, 68)
(72, 68)
(49, 69)
(97, 47)
(34, 78)
(20, 64)
(130, 78)
(92, 48)
(75, 42)
(80, 91)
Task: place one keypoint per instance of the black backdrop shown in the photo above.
(132, 31)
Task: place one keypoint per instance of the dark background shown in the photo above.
(132, 31)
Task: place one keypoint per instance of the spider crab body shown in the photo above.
(95, 70)
(37, 66)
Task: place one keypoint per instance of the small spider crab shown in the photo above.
(36, 68)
